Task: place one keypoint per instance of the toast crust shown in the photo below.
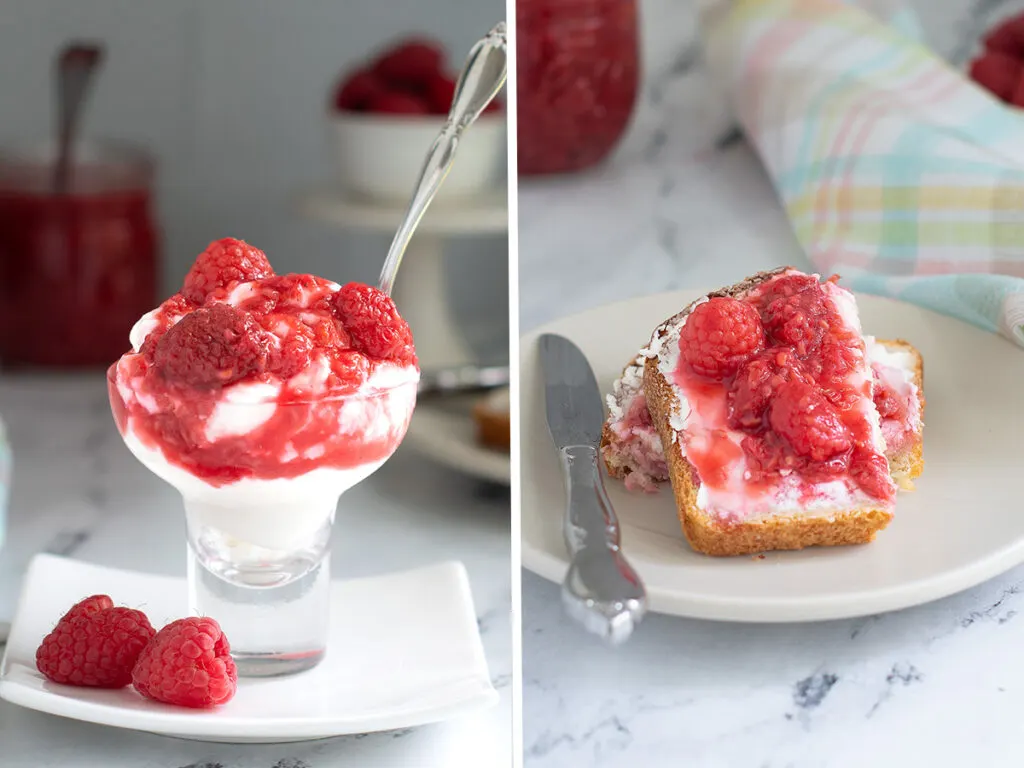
(712, 537)
(615, 470)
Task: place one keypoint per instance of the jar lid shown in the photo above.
(97, 166)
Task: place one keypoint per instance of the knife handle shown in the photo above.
(601, 589)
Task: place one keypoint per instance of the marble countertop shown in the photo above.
(77, 490)
(686, 204)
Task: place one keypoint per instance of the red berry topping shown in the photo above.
(398, 103)
(224, 262)
(998, 73)
(212, 347)
(871, 473)
(719, 335)
(410, 63)
(440, 90)
(295, 350)
(889, 404)
(94, 644)
(356, 91)
(297, 293)
(188, 663)
(808, 422)
(373, 323)
(350, 371)
(756, 382)
(796, 313)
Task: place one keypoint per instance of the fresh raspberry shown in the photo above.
(756, 382)
(797, 318)
(719, 335)
(410, 63)
(224, 262)
(169, 311)
(807, 421)
(871, 472)
(211, 347)
(834, 362)
(295, 351)
(997, 73)
(94, 644)
(373, 323)
(188, 663)
(355, 92)
(440, 91)
(398, 103)
(785, 286)
(1007, 37)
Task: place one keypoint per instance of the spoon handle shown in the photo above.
(483, 75)
(75, 68)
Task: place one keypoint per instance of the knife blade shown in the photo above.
(601, 589)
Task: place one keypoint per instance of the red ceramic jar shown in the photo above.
(578, 73)
(76, 269)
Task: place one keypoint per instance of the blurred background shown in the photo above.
(231, 99)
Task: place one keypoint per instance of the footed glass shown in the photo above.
(260, 481)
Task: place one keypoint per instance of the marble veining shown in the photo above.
(78, 491)
(685, 204)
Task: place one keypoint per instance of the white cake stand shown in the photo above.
(419, 293)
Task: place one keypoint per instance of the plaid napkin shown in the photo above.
(896, 171)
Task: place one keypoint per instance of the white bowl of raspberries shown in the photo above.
(387, 112)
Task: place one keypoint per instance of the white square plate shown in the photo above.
(404, 651)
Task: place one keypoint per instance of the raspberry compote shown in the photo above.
(779, 391)
(78, 266)
(262, 398)
(578, 70)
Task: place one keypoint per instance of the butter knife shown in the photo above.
(601, 590)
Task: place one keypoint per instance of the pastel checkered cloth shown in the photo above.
(897, 171)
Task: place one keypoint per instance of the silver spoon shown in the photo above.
(76, 67)
(482, 76)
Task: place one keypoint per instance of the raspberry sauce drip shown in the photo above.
(775, 370)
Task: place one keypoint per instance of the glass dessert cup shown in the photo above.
(260, 505)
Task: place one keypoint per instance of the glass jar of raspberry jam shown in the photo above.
(77, 268)
(578, 73)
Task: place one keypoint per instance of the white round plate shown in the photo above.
(444, 430)
(961, 526)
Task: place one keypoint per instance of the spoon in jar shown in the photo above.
(76, 66)
(482, 76)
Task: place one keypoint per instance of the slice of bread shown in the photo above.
(493, 420)
(789, 524)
